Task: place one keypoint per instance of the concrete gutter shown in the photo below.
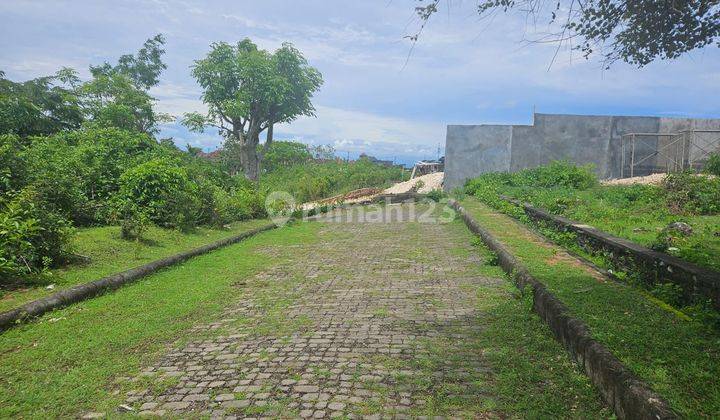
(694, 280)
(625, 393)
(84, 291)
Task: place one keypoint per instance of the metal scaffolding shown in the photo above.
(672, 152)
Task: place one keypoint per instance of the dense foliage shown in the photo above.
(109, 176)
(97, 176)
(713, 164)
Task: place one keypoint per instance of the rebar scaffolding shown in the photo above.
(682, 150)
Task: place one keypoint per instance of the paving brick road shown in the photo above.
(371, 320)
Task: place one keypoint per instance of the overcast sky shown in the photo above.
(462, 70)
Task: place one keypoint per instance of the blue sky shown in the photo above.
(462, 71)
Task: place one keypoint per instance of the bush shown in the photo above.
(687, 192)
(163, 191)
(229, 206)
(104, 154)
(134, 222)
(55, 172)
(436, 195)
(12, 168)
(282, 154)
(713, 164)
(32, 238)
(559, 173)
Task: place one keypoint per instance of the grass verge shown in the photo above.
(675, 356)
(634, 212)
(75, 358)
(110, 254)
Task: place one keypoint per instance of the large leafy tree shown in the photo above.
(248, 91)
(115, 101)
(635, 31)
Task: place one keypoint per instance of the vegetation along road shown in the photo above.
(314, 319)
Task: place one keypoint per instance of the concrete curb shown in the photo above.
(695, 281)
(629, 397)
(84, 291)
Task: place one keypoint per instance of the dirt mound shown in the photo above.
(654, 179)
(422, 184)
(352, 195)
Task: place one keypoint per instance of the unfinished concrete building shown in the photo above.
(618, 146)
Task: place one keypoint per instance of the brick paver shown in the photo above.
(370, 320)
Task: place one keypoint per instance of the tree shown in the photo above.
(635, 31)
(114, 101)
(143, 69)
(117, 96)
(248, 91)
(39, 106)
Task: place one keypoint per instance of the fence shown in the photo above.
(648, 153)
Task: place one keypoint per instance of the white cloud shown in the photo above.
(462, 70)
(336, 124)
(176, 99)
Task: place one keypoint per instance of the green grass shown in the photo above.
(110, 254)
(638, 213)
(678, 358)
(74, 359)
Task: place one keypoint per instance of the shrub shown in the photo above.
(559, 173)
(32, 238)
(229, 206)
(687, 192)
(54, 170)
(105, 154)
(162, 191)
(134, 222)
(12, 168)
(713, 164)
(436, 195)
(312, 188)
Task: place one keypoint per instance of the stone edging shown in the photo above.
(84, 291)
(694, 280)
(629, 397)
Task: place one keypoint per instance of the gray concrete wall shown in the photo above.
(552, 138)
(476, 149)
(471, 150)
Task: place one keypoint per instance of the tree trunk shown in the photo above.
(249, 161)
(249, 158)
